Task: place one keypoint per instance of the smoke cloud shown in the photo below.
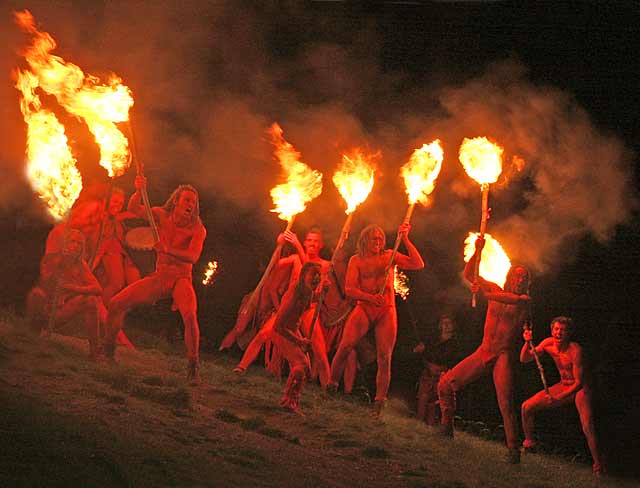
(208, 80)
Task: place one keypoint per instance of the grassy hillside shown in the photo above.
(67, 421)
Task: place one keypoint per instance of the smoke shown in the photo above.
(208, 80)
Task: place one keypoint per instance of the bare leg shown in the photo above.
(350, 371)
(583, 404)
(532, 406)
(356, 327)
(386, 332)
(463, 373)
(184, 297)
(253, 349)
(503, 382)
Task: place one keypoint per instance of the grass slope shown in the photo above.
(67, 421)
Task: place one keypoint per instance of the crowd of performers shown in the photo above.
(308, 311)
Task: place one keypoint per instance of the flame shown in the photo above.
(481, 159)
(303, 183)
(100, 105)
(354, 179)
(421, 171)
(401, 283)
(494, 263)
(209, 273)
(51, 167)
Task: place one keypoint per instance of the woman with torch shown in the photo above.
(370, 283)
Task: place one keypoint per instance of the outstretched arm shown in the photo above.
(526, 355)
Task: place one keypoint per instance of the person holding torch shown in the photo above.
(506, 313)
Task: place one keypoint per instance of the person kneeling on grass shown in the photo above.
(287, 335)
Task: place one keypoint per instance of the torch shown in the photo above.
(482, 160)
(420, 174)
(303, 185)
(532, 348)
(495, 262)
(354, 181)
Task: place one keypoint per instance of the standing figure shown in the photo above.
(66, 279)
(506, 313)
(439, 355)
(182, 236)
(288, 337)
(572, 387)
(368, 274)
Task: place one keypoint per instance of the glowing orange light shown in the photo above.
(495, 263)
(401, 283)
(421, 171)
(481, 159)
(210, 272)
(354, 179)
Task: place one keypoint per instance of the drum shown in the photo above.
(140, 239)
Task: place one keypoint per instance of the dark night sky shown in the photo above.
(554, 82)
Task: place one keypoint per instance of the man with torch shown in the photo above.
(507, 311)
(572, 387)
(181, 238)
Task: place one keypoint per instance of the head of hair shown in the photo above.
(509, 279)
(365, 236)
(301, 289)
(315, 230)
(566, 321)
(171, 202)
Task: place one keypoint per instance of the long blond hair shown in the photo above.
(365, 235)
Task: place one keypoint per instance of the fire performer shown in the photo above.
(308, 251)
(366, 276)
(66, 276)
(438, 357)
(573, 386)
(182, 236)
(289, 339)
(506, 313)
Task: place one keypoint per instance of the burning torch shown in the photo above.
(482, 160)
(420, 174)
(290, 198)
(354, 181)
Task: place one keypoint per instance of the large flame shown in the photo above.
(354, 179)
(401, 283)
(421, 171)
(99, 105)
(51, 167)
(494, 263)
(303, 183)
(481, 159)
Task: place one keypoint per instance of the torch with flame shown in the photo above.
(495, 263)
(210, 272)
(354, 181)
(290, 198)
(419, 174)
(482, 160)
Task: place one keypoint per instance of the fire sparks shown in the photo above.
(421, 171)
(401, 283)
(303, 183)
(99, 105)
(494, 264)
(210, 272)
(354, 179)
(481, 159)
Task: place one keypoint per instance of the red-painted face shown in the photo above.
(312, 244)
(186, 204)
(116, 203)
(375, 242)
(560, 333)
(518, 281)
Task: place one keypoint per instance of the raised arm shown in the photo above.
(526, 355)
(414, 259)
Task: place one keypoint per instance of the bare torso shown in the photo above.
(502, 326)
(371, 276)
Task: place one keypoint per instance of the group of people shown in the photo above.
(322, 317)
(87, 273)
